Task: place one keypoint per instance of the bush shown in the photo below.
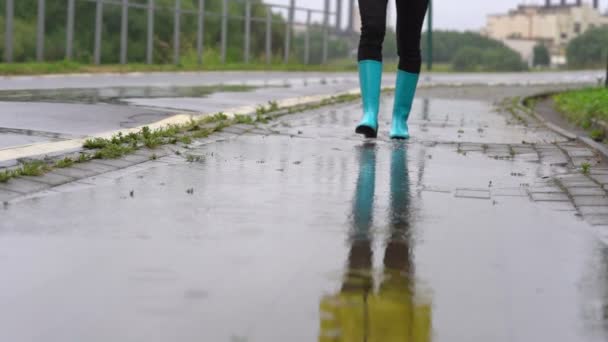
(446, 43)
(493, 59)
(541, 56)
(588, 50)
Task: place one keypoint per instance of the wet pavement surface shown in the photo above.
(77, 102)
(480, 228)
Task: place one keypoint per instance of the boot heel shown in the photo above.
(367, 131)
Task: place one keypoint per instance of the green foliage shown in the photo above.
(337, 47)
(96, 143)
(446, 43)
(598, 135)
(493, 59)
(589, 50)
(243, 119)
(34, 168)
(584, 105)
(541, 56)
(586, 168)
(112, 151)
(6, 175)
(63, 163)
(469, 51)
(56, 15)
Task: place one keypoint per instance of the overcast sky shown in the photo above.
(448, 14)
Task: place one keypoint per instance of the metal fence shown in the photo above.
(289, 15)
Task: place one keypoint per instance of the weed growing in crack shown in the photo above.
(186, 140)
(84, 157)
(34, 168)
(6, 175)
(113, 151)
(243, 119)
(96, 143)
(63, 163)
(586, 168)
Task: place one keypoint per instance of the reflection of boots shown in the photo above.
(370, 78)
(404, 97)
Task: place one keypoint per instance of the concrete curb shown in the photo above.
(598, 147)
(52, 149)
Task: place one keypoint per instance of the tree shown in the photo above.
(56, 16)
(589, 50)
(541, 56)
(467, 59)
(493, 59)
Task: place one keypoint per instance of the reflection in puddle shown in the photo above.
(385, 307)
(115, 94)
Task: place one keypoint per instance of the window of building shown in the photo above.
(577, 28)
(564, 35)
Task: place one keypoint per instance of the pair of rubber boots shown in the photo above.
(370, 78)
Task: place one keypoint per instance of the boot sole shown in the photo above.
(367, 131)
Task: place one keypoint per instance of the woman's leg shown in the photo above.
(373, 29)
(410, 17)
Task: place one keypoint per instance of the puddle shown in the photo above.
(116, 95)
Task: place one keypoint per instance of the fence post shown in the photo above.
(307, 41)
(429, 54)
(606, 84)
(288, 28)
(200, 34)
(325, 30)
(224, 30)
(40, 31)
(150, 33)
(338, 15)
(124, 29)
(247, 30)
(8, 31)
(268, 35)
(176, 31)
(69, 39)
(98, 31)
(351, 13)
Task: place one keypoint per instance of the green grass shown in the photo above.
(586, 168)
(583, 106)
(64, 163)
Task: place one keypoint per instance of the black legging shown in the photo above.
(410, 17)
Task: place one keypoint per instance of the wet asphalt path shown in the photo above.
(301, 231)
(38, 109)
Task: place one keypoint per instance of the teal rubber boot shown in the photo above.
(404, 97)
(370, 78)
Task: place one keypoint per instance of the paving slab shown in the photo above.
(23, 186)
(6, 195)
(549, 197)
(598, 191)
(591, 201)
(51, 179)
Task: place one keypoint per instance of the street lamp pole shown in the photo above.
(429, 36)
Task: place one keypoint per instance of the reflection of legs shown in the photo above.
(345, 317)
(360, 256)
(397, 255)
(373, 29)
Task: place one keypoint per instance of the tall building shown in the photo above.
(552, 24)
